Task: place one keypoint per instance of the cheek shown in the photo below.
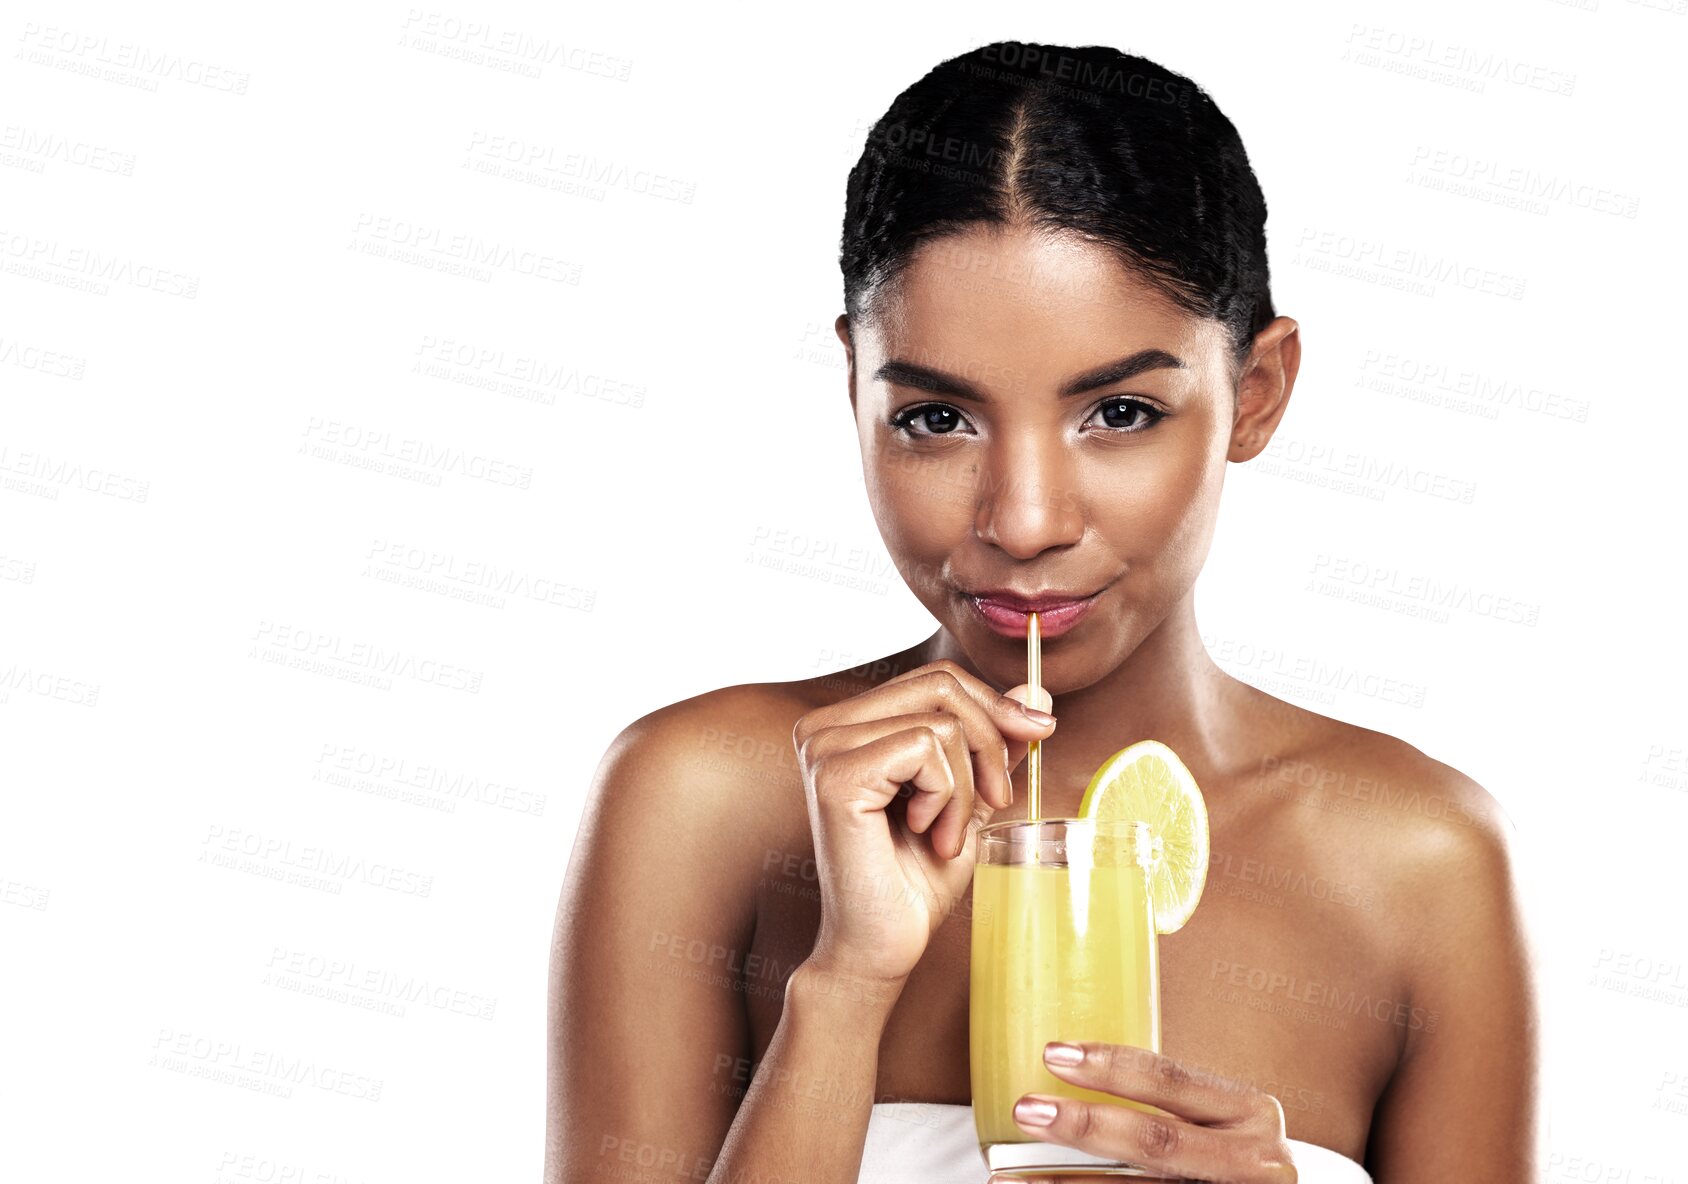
(1157, 511)
(924, 506)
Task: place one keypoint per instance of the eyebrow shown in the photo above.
(939, 383)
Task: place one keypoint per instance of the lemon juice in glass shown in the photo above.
(1066, 912)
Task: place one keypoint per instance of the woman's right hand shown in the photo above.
(928, 753)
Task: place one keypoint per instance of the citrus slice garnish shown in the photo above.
(1148, 782)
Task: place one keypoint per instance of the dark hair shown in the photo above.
(1088, 139)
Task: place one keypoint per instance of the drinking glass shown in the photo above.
(1063, 948)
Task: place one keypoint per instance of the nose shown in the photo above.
(1029, 500)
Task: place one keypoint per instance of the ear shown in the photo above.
(1263, 387)
(842, 327)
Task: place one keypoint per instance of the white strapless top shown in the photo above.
(936, 1143)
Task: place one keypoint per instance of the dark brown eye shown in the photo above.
(935, 419)
(1128, 415)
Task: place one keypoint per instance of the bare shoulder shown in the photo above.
(719, 763)
(1425, 837)
(725, 754)
(740, 729)
(1426, 807)
(1441, 855)
(1453, 847)
(1432, 852)
(1435, 844)
(655, 922)
(730, 731)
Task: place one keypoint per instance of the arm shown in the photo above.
(805, 1117)
(633, 1043)
(1462, 1101)
(648, 1044)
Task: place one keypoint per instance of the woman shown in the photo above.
(1059, 331)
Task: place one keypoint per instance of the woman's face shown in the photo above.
(998, 458)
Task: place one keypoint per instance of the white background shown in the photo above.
(225, 309)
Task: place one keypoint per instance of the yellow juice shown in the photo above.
(1058, 953)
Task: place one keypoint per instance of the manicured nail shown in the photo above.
(1034, 1112)
(1059, 1052)
(1036, 716)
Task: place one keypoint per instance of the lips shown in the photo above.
(1010, 615)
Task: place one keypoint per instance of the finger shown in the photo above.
(1160, 1142)
(1003, 711)
(991, 720)
(1022, 694)
(1144, 1075)
(1006, 708)
(949, 832)
(951, 811)
(998, 729)
(863, 779)
(946, 817)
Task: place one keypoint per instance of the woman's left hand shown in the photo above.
(1216, 1128)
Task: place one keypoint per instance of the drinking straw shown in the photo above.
(1034, 753)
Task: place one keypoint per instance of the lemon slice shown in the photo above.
(1148, 782)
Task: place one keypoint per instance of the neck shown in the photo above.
(1166, 689)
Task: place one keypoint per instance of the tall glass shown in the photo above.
(1063, 948)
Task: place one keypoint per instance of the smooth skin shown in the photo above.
(763, 928)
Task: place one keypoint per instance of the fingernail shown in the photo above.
(1036, 716)
(1058, 1052)
(1034, 1112)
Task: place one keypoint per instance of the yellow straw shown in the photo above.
(1034, 754)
